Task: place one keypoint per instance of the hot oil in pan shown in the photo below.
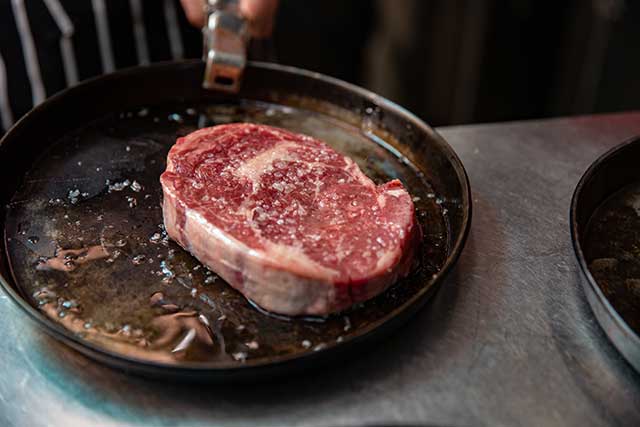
(612, 249)
(87, 245)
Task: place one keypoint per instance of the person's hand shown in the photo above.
(259, 13)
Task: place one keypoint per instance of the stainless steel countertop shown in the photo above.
(508, 340)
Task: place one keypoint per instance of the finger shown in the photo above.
(261, 16)
(194, 9)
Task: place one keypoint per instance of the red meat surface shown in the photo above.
(286, 220)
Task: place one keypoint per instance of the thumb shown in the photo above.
(194, 10)
(261, 16)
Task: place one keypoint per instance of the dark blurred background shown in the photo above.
(465, 61)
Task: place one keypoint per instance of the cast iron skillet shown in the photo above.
(605, 229)
(80, 173)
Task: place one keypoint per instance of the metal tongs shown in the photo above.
(225, 38)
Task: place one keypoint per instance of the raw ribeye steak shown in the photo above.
(286, 220)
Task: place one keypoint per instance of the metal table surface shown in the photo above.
(508, 340)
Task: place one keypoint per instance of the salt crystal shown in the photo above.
(132, 201)
(73, 196)
(138, 259)
(135, 186)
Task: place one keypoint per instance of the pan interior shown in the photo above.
(612, 251)
(87, 247)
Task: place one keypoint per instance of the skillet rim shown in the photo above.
(576, 241)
